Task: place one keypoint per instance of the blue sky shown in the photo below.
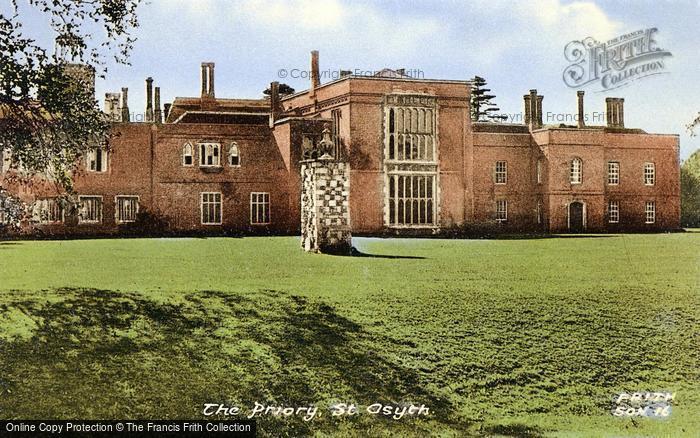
(515, 45)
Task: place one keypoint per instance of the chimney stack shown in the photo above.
(315, 78)
(126, 115)
(149, 99)
(581, 116)
(208, 80)
(112, 106)
(274, 102)
(157, 112)
(615, 112)
(533, 109)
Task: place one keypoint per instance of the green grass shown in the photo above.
(522, 337)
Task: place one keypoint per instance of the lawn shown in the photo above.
(522, 337)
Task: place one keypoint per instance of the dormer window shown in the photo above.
(96, 160)
(209, 154)
(187, 155)
(234, 157)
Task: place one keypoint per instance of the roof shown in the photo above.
(197, 105)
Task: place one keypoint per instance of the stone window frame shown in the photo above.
(650, 212)
(97, 160)
(209, 150)
(501, 210)
(649, 174)
(576, 171)
(500, 175)
(538, 171)
(188, 151)
(425, 199)
(262, 201)
(613, 173)
(117, 216)
(613, 212)
(211, 202)
(44, 207)
(234, 151)
(98, 211)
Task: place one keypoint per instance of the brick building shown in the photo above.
(417, 164)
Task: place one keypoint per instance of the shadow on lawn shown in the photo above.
(122, 355)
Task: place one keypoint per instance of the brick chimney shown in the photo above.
(126, 115)
(157, 113)
(149, 99)
(581, 114)
(274, 102)
(315, 76)
(615, 112)
(533, 109)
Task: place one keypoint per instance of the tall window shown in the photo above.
(576, 172)
(650, 212)
(47, 211)
(209, 154)
(410, 160)
(187, 155)
(96, 160)
(126, 209)
(649, 174)
(538, 212)
(411, 199)
(501, 210)
(259, 208)
(90, 210)
(613, 173)
(336, 115)
(211, 208)
(539, 171)
(613, 212)
(234, 156)
(501, 172)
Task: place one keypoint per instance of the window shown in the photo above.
(539, 171)
(97, 160)
(501, 172)
(649, 174)
(411, 134)
(539, 212)
(209, 155)
(411, 199)
(613, 212)
(576, 171)
(259, 208)
(410, 160)
(90, 210)
(501, 210)
(650, 212)
(187, 155)
(613, 173)
(234, 157)
(126, 209)
(47, 211)
(211, 208)
(336, 115)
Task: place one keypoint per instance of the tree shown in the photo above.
(482, 107)
(694, 124)
(284, 90)
(690, 191)
(49, 117)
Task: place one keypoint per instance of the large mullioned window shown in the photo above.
(211, 208)
(410, 161)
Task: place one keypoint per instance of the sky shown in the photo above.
(514, 45)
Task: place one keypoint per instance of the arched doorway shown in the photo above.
(577, 217)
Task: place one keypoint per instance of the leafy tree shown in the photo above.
(694, 124)
(284, 90)
(48, 113)
(482, 107)
(690, 191)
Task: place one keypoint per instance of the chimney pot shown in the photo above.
(158, 114)
(126, 115)
(274, 102)
(315, 77)
(149, 99)
(581, 122)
